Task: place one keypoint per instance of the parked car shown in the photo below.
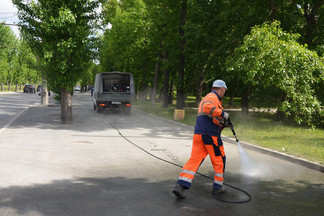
(29, 89)
(77, 88)
(39, 88)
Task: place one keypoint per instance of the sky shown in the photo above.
(8, 14)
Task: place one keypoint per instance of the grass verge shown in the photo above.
(259, 128)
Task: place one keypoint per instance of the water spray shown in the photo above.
(242, 152)
(245, 160)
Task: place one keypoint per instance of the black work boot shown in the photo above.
(178, 190)
(219, 191)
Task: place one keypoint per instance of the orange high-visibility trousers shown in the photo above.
(203, 145)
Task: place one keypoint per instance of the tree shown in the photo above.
(181, 64)
(88, 78)
(27, 69)
(8, 47)
(191, 60)
(144, 39)
(280, 72)
(124, 46)
(59, 33)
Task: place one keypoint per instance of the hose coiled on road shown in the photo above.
(169, 162)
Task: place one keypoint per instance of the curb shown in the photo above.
(8, 92)
(283, 156)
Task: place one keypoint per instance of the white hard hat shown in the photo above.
(219, 83)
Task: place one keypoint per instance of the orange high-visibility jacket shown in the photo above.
(210, 115)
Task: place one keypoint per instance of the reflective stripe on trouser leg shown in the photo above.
(198, 154)
(218, 178)
(216, 156)
(185, 178)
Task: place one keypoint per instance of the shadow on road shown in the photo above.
(85, 119)
(138, 196)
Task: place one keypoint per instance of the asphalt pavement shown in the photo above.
(117, 164)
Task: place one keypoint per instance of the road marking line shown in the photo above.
(12, 120)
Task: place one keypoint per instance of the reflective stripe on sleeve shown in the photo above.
(203, 103)
(212, 110)
(203, 114)
(206, 102)
(217, 118)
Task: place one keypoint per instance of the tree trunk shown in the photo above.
(143, 88)
(2, 88)
(311, 14)
(9, 89)
(180, 89)
(165, 83)
(66, 107)
(231, 100)
(273, 10)
(280, 115)
(201, 79)
(245, 102)
(16, 87)
(199, 89)
(156, 79)
(170, 97)
(44, 94)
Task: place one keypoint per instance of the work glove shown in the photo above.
(228, 123)
(226, 116)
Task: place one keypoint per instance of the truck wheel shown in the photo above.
(127, 110)
(99, 108)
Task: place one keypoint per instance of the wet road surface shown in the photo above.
(88, 168)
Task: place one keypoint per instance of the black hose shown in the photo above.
(161, 159)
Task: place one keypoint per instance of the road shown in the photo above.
(102, 164)
(12, 104)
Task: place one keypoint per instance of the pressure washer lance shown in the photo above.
(230, 124)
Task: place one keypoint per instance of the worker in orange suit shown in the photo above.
(207, 141)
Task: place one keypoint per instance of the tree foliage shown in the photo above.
(212, 31)
(280, 72)
(17, 63)
(59, 33)
(8, 47)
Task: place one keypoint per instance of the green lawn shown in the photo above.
(259, 128)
